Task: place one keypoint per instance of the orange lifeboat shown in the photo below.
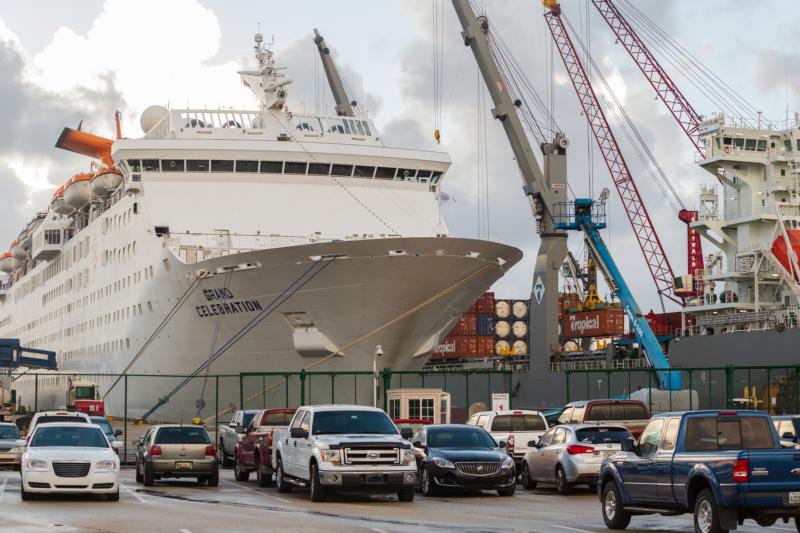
(7, 263)
(780, 251)
(18, 251)
(106, 180)
(59, 206)
(77, 191)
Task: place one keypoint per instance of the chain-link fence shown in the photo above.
(775, 389)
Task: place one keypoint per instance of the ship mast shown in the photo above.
(267, 83)
(344, 107)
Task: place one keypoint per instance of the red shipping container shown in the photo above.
(457, 346)
(468, 325)
(484, 304)
(600, 323)
(486, 345)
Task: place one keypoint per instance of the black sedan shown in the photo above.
(451, 456)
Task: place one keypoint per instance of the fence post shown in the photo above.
(241, 391)
(510, 385)
(333, 394)
(286, 389)
(216, 408)
(608, 383)
(303, 387)
(466, 390)
(566, 388)
(387, 384)
(729, 386)
(35, 393)
(263, 392)
(125, 423)
(769, 393)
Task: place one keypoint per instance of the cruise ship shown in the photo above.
(228, 241)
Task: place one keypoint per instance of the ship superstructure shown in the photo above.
(176, 242)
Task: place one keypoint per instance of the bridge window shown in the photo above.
(363, 171)
(150, 165)
(342, 170)
(336, 128)
(385, 173)
(319, 169)
(135, 165)
(221, 165)
(305, 126)
(247, 166)
(750, 145)
(738, 143)
(762, 145)
(197, 165)
(271, 167)
(292, 167)
(407, 173)
(173, 165)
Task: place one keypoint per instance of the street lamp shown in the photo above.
(378, 353)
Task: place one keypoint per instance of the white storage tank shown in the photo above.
(105, 181)
(77, 192)
(7, 263)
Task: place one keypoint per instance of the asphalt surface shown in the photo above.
(183, 507)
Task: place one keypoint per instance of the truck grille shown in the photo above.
(479, 469)
(355, 456)
(71, 469)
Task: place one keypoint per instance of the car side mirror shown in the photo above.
(533, 444)
(502, 444)
(298, 433)
(417, 444)
(788, 436)
(19, 443)
(117, 444)
(628, 445)
(140, 441)
(406, 433)
(118, 433)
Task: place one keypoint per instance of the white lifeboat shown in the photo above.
(58, 203)
(77, 191)
(18, 251)
(7, 263)
(105, 181)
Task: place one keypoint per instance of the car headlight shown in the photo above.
(18, 449)
(508, 462)
(36, 464)
(331, 456)
(443, 463)
(406, 456)
(105, 465)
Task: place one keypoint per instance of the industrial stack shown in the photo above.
(489, 329)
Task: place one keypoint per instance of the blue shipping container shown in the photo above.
(485, 324)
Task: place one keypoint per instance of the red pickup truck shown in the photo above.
(253, 452)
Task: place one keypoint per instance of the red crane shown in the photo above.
(678, 106)
(650, 244)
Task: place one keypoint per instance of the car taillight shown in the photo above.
(155, 450)
(269, 439)
(210, 452)
(741, 470)
(510, 443)
(575, 449)
(728, 413)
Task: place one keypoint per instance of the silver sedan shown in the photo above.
(570, 455)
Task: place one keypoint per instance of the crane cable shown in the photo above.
(444, 292)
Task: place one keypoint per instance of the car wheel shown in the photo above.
(562, 485)
(797, 523)
(213, 479)
(406, 495)
(280, 479)
(139, 476)
(706, 517)
(262, 478)
(508, 491)
(201, 480)
(614, 515)
(113, 497)
(527, 480)
(26, 496)
(318, 492)
(428, 487)
(238, 473)
(148, 477)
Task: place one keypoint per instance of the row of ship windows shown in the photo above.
(77, 252)
(123, 313)
(119, 221)
(751, 145)
(283, 167)
(91, 352)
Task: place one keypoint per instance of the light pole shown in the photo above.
(378, 353)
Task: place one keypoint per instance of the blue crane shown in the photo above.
(588, 216)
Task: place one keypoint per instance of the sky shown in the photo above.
(89, 58)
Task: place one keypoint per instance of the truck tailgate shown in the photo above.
(774, 478)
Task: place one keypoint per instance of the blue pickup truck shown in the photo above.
(723, 466)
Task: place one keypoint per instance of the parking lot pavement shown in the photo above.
(182, 507)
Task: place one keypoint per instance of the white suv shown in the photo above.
(517, 428)
(46, 417)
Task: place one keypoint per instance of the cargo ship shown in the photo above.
(306, 227)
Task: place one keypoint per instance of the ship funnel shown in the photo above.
(86, 144)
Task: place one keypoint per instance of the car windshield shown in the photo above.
(601, 435)
(363, 422)
(60, 418)
(9, 433)
(460, 438)
(86, 437)
(104, 424)
(182, 435)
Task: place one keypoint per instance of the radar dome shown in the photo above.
(151, 116)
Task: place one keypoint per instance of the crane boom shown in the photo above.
(665, 88)
(646, 235)
(344, 108)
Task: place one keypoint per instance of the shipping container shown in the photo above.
(486, 345)
(668, 323)
(502, 348)
(502, 329)
(466, 326)
(502, 308)
(519, 348)
(520, 309)
(485, 324)
(484, 304)
(601, 323)
(458, 346)
(519, 329)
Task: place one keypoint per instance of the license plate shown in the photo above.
(375, 479)
(186, 465)
(794, 498)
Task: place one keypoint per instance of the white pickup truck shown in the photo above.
(344, 448)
